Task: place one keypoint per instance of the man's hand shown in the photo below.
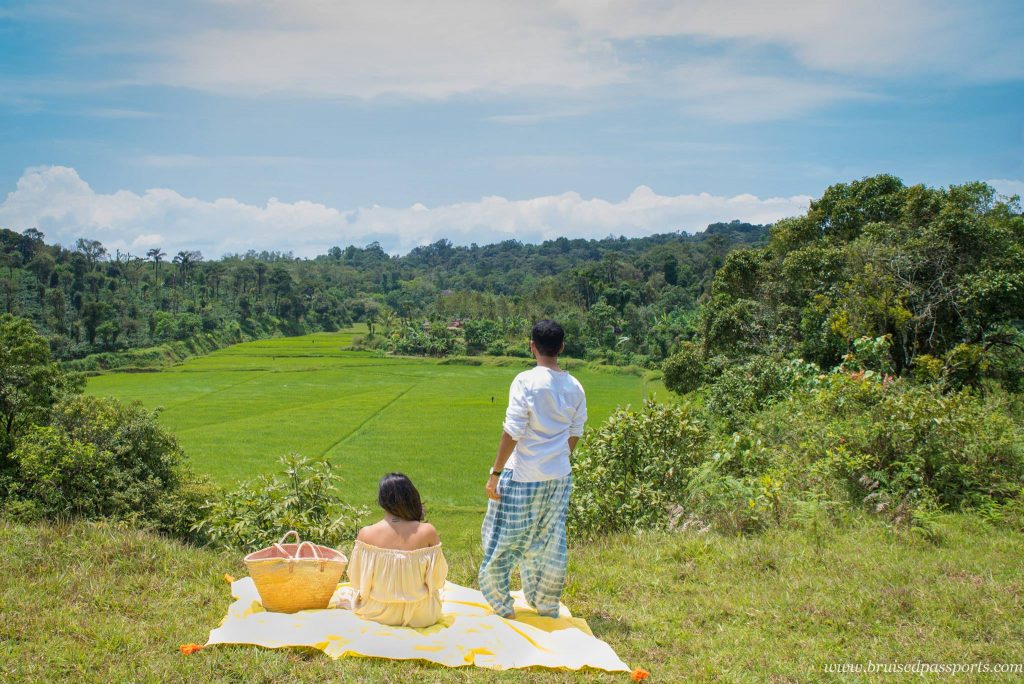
(492, 487)
(505, 448)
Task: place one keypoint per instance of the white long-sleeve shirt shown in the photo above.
(545, 408)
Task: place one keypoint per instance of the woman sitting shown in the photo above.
(397, 568)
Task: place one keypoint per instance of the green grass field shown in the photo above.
(93, 602)
(238, 409)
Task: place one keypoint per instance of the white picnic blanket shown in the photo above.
(469, 634)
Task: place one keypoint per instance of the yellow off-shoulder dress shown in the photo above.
(395, 586)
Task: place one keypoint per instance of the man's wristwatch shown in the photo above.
(495, 472)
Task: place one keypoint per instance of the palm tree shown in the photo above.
(388, 320)
(184, 260)
(156, 255)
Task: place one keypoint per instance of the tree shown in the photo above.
(930, 268)
(92, 250)
(156, 255)
(260, 269)
(371, 311)
(12, 260)
(688, 369)
(30, 382)
(31, 243)
(281, 284)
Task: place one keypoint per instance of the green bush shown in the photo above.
(688, 369)
(959, 446)
(629, 473)
(800, 447)
(729, 503)
(435, 340)
(62, 476)
(304, 497)
(862, 434)
(101, 458)
(869, 354)
(30, 382)
(179, 512)
(146, 457)
(742, 390)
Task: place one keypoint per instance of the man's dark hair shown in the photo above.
(397, 495)
(548, 336)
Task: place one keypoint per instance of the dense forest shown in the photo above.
(934, 275)
(621, 300)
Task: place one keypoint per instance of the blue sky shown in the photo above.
(300, 124)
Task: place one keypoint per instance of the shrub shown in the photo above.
(869, 354)
(919, 445)
(959, 446)
(102, 458)
(435, 340)
(179, 512)
(729, 503)
(742, 390)
(927, 369)
(30, 382)
(688, 369)
(146, 458)
(629, 473)
(303, 498)
(801, 446)
(63, 476)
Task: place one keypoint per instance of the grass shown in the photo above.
(236, 410)
(92, 603)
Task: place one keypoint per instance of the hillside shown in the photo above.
(88, 301)
(89, 602)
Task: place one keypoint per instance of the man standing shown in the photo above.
(530, 482)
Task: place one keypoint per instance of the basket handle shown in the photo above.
(316, 554)
(312, 547)
(283, 551)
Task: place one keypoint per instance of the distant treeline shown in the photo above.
(623, 300)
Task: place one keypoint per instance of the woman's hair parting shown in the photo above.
(397, 495)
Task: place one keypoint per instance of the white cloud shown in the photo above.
(146, 241)
(57, 201)
(788, 56)
(530, 118)
(724, 90)
(866, 37)
(368, 50)
(192, 160)
(451, 47)
(170, 161)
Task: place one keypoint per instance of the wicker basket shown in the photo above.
(297, 576)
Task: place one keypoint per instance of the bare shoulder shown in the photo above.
(369, 534)
(428, 534)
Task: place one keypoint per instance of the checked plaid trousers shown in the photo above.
(526, 527)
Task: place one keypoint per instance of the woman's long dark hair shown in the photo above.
(397, 495)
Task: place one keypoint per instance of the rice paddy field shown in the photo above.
(237, 410)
